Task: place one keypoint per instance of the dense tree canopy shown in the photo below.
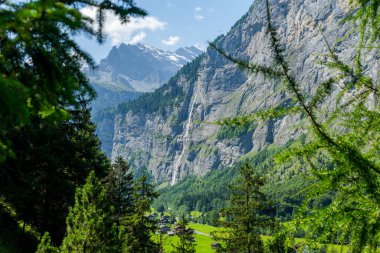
(47, 141)
(139, 227)
(186, 242)
(247, 214)
(89, 225)
(40, 63)
(119, 184)
(52, 160)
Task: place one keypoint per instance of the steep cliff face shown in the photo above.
(171, 132)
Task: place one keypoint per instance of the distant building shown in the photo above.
(164, 229)
(151, 217)
(164, 220)
(216, 245)
(178, 230)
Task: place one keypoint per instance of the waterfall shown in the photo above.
(185, 139)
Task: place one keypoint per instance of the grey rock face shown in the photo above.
(176, 136)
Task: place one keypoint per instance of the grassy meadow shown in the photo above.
(203, 242)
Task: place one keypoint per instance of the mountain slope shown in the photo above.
(169, 131)
(189, 52)
(130, 70)
(139, 67)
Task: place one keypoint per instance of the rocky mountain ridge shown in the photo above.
(172, 132)
(130, 70)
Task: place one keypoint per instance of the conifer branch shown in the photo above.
(355, 156)
(248, 66)
(340, 65)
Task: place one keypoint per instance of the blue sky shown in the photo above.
(170, 24)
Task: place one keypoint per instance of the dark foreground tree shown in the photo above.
(53, 158)
(46, 245)
(139, 227)
(90, 227)
(279, 244)
(186, 243)
(119, 184)
(40, 63)
(247, 214)
(46, 138)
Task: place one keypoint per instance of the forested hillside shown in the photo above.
(210, 194)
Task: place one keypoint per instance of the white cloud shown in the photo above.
(131, 32)
(198, 17)
(197, 14)
(137, 38)
(171, 41)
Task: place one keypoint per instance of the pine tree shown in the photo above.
(52, 160)
(46, 246)
(139, 227)
(246, 215)
(279, 244)
(89, 227)
(186, 243)
(119, 185)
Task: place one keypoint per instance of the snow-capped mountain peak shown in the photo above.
(140, 67)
